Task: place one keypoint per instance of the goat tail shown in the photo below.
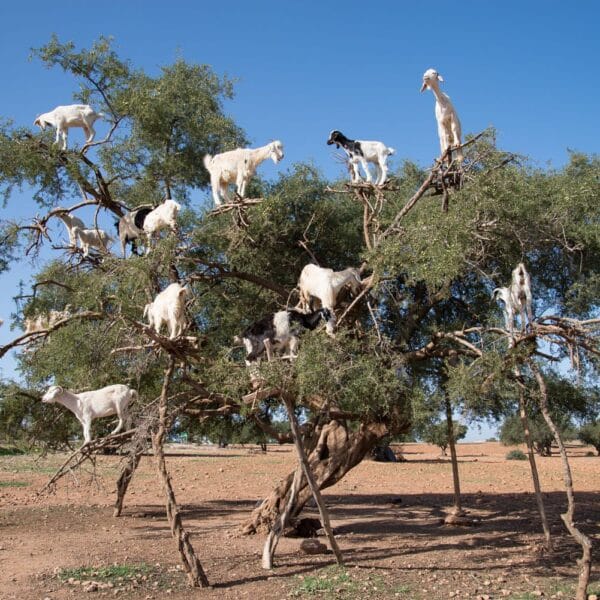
(207, 160)
(147, 309)
(391, 151)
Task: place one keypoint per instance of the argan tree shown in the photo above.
(431, 245)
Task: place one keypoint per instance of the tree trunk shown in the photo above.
(534, 472)
(190, 561)
(127, 471)
(457, 510)
(585, 562)
(312, 484)
(332, 451)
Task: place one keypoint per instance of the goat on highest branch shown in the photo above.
(238, 166)
(363, 152)
(449, 130)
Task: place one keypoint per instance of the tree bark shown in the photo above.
(534, 472)
(127, 471)
(585, 562)
(190, 561)
(332, 451)
(457, 510)
(312, 484)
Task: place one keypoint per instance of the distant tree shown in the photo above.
(590, 434)
(437, 434)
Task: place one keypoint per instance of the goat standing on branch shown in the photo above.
(162, 217)
(70, 222)
(279, 331)
(517, 297)
(131, 228)
(168, 307)
(449, 130)
(87, 406)
(92, 238)
(238, 166)
(363, 152)
(326, 284)
(65, 117)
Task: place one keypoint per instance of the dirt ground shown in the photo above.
(387, 517)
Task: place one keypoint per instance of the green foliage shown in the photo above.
(516, 455)
(590, 434)
(437, 434)
(390, 358)
(512, 433)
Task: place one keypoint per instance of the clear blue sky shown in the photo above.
(304, 68)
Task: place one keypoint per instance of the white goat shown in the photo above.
(325, 284)
(238, 166)
(72, 115)
(92, 238)
(162, 217)
(520, 292)
(517, 297)
(363, 152)
(449, 130)
(87, 406)
(168, 307)
(43, 322)
(70, 222)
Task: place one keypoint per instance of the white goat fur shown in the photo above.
(87, 406)
(92, 238)
(238, 166)
(168, 307)
(43, 322)
(373, 152)
(164, 216)
(516, 297)
(449, 129)
(325, 284)
(65, 117)
(70, 222)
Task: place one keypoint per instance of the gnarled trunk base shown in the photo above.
(332, 451)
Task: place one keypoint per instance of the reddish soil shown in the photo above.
(388, 519)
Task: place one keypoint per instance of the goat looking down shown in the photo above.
(168, 307)
(449, 130)
(87, 406)
(164, 216)
(279, 331)
(70, 222)
(71, 115)
(238, 166)
(325, 285)
(363, 152)
(130, 228)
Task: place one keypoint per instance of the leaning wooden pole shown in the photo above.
(191, 564)
(314, 488)
(534, 472)
(127, 471)
(585, 562)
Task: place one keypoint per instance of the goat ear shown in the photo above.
(440, 78)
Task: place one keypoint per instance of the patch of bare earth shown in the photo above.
(388, 518)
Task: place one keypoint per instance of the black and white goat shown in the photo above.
(279, 331)
(363, 152)
(131, 227)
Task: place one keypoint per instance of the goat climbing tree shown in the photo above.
(423, 319)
